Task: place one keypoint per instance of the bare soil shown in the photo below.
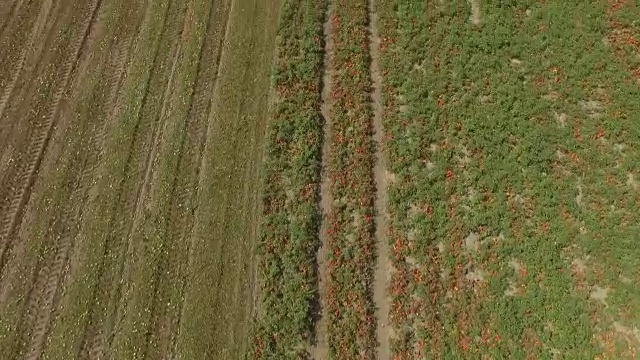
(384, 265)
(320, 348)
(112, 116)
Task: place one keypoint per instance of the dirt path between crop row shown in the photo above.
(383, 268)
(320, 348)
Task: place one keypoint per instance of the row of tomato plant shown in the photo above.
(350, 240)
(287, 275)
(505, 128)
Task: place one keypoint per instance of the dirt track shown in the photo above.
(118, 130)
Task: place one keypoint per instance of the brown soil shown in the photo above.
(66, 75)
(384, 265)
(320, 349)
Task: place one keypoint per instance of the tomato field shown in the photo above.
(319, 179)
(511, 150)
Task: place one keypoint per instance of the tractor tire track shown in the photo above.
(20, 133)
(383, 266)
(22, 78)
(160, 336)
(28, 168)
(37, 296)
(144, 187)
(185, 188)
(200, 131)
(93, 347)
(40, 307)
(147, 183)
(100, 331)
(71, 216)
(8, 16)
(36, 33)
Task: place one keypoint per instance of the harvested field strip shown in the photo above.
(510, 147)
(96, 259)
(67, 176)
(78, 170)
(15, 72)
(351, 246)
(46, 199)
(114, 222)
(226, 203)
(172, 261)
(288, 241)
(145, 242)
(94, 343)
(185, 199)
(14, 181)
(29, 267)
(130, 206)
(72, 214)
(153, 256)
(8, 11)
(41, 137)
(26, 171)
(33, 60)
(17, 32)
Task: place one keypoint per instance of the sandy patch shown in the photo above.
(625, 280)
(561, 119)
(599, 294)
(579, 266)
(552, 96)
(632, 182)
(475, 12)
(619, 148)
(390, 177)
(629, 332)
(593, 108)
(580, 196)
(485, 99)
(477, 275)
(512, 290)
(471, 243)
(516, 265)
(430, 166)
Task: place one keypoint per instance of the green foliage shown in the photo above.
(289, 240)
(350, 240)
(502, 138)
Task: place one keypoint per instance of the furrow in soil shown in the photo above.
(321, 347)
